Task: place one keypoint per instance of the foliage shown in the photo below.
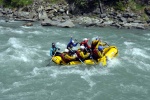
(1, 2)
(84, 5)
(15, 3)
(135, 6)
(120, 6)
(55, 1)
(20, 2)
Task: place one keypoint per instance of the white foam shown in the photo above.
(17, 84)
(133, 88)
(2, 21)
(87, 78)
(147, 34)
(14, 42)
(22, 52)
(1, 27)
(61, 45)
(20, 57)
(18, 31)
(35, 32)
(113, 62)
(17, 72)
(128, 43)
(26, 27)
(147, 48)
(35, 71)
(139, 52)
(84, 73)
(5, 90)
(143, 66)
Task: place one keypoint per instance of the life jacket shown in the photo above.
(78, 54)
(93, 44)
(95, 53)
(54, 50)
(63, 57)
(85, 43)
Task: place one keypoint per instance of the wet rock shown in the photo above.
(140, 27)
(103, 15)
(48, 22)
(22, 19)
(129, 15)
(1, 14)
(67, 24)
(28, 24)
(117, 25)
(61, 10)
(42, 13)
(130, 20)
(122, 19)
(108, 23)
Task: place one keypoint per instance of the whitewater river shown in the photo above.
(24, 54)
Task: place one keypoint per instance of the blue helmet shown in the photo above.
(100, 48)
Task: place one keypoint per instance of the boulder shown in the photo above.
(140, 27)
(107, 23)
(66, 24)
(122, 19)
(28, 24)
(42, 13)
(48, 22)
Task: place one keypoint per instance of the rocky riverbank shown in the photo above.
(59, 15)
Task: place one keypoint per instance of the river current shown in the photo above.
(24, 54)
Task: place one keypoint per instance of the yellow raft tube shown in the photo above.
(109, 53)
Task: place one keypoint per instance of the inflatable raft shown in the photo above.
(109, 53)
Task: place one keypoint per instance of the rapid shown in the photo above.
(24, 54)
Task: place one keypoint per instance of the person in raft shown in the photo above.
(53, 50)
(96, 43)
(82, 54)
(85, 44)
(70, 45)
(97, 53)
(66, 57)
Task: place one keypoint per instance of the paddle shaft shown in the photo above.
(51, 59)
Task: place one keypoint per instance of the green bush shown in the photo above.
(15, 3)
(21, 2)
(86, 5)
(56, 1)
(120, 6)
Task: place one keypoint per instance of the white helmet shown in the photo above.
(85, 39)
(82, 47)
(72, 41)
(66, 50)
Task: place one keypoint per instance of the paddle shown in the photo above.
(107, 44)
(51, 59)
